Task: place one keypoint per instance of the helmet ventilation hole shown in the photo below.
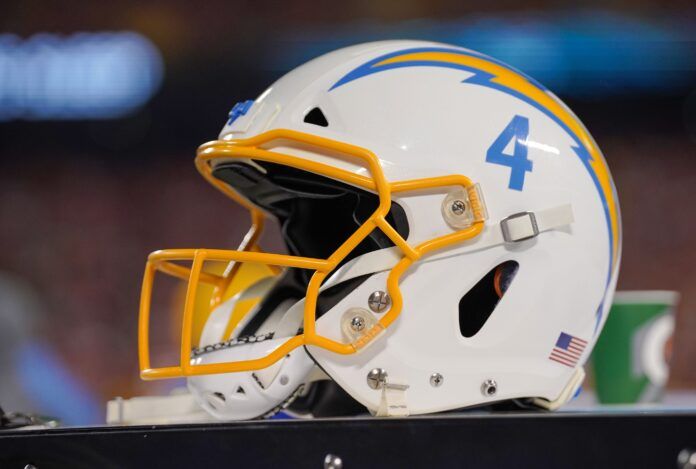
(316, 117)
(240, 390)
(477, 305)
(216, 400)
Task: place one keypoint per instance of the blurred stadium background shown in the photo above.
(102, 105)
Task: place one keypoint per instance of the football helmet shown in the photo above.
(453, 239)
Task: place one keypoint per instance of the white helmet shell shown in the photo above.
(427, 110)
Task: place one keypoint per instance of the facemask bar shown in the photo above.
(252, 148)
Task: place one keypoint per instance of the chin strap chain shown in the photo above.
(175, 408)
(283, 405)
(182, 407)
(245, 339)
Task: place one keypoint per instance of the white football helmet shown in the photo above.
(453, 232)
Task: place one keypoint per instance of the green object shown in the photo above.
(631, 355)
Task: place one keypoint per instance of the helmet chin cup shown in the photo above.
(250, 394)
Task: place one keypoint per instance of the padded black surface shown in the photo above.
(563, 440)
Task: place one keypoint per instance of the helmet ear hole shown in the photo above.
(477, 305)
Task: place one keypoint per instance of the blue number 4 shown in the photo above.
(517, 129)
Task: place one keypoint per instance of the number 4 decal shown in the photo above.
(517, 129)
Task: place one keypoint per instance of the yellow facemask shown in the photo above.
(256, 148)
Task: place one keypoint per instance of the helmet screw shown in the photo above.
(376, 378)
(357, 323)
(489, 388)
(378, 301)
(458, 207)
(436, 380)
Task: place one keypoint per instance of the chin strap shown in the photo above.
(179, 407)
(516, 228)
(527, 225)
(568, 392)
(393, 401)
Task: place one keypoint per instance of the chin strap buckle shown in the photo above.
(527, 225)
(519, 227)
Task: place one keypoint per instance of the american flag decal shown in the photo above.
(568, 350)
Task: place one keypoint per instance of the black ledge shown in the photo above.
(565, 440)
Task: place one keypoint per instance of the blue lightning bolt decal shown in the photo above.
(522, 87)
